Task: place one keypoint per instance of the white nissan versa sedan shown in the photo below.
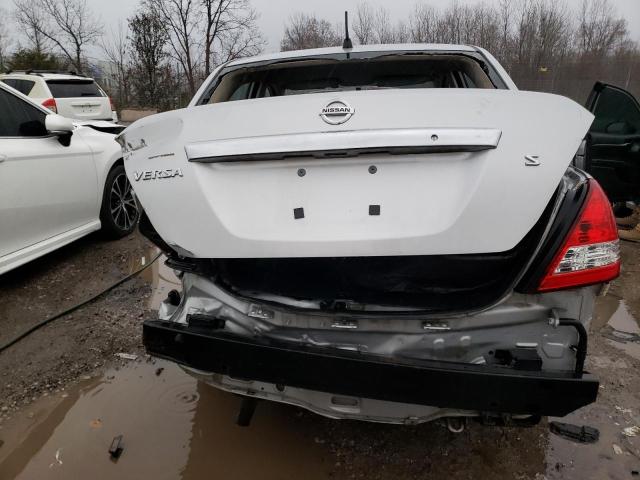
(59, 181)
(386, 233)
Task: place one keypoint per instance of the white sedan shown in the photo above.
(392, 233)
(59, 181)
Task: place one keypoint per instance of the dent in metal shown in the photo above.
(521, 320)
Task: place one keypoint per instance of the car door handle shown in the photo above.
(2, 158)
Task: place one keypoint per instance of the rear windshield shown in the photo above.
(334, 75)
(23, 86)
(74, 88)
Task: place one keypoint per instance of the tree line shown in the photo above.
(160, 55)
(544, 44)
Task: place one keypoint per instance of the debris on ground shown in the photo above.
(631, 431)
(159, 371)
(115, 450)
(127, 356)
(96, 423)
(575, 433)
(617, 449)
(58, 461)
(624, 410)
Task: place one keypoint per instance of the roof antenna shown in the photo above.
(347, 43)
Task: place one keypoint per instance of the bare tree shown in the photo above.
(31, 20)
(308, 31)
(148, 39)
(402, 32)
(181, 20)
(70, 25)
(375, 26)
(4, 42)
(505, 19)
(484, 27)
(554, 33)
(203, 33)
(239, 43)
(363, 24)
(116, 48)
(384, 30)
(424, 24)
(230, 31)
(599, 30)
(524, 34)
(536, 40)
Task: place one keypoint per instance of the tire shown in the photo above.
(120, 212)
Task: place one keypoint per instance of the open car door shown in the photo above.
(612, 153)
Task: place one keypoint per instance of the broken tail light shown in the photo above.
(50, 103)
(590, 253)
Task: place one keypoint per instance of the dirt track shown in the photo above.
(64, 396)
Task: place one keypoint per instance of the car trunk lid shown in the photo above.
(80, 99)
(412, 172)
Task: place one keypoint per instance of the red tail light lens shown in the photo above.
(113, 107)
(590, 253)
(50, 103)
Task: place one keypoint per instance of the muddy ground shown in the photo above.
(64, 396)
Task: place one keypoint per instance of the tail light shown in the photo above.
(590, 253)
(50, 103)
(113, 106)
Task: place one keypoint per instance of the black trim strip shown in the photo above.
(566, 217)
(481, 388)
(341, 153)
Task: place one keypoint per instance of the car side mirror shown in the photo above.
(60, 126)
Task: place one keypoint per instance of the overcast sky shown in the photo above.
(274, 13)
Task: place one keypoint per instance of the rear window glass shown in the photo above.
(333, 75)
(74, 88)
(10, 81)
(23, 86)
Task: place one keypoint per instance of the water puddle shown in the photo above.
(568, 460)
(623, 322)
(172, 427)
(162, 280)
(615, 322)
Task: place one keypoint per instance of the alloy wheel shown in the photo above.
(122, 203)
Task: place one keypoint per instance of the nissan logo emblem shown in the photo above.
(337, 112)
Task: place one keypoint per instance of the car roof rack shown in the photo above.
(40, 72)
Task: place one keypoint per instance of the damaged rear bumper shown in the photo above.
(462, 386)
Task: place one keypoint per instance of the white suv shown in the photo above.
(68, 94)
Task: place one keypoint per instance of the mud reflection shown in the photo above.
(172, 426)
(40, 427)
(615, 322)
(161, 278)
